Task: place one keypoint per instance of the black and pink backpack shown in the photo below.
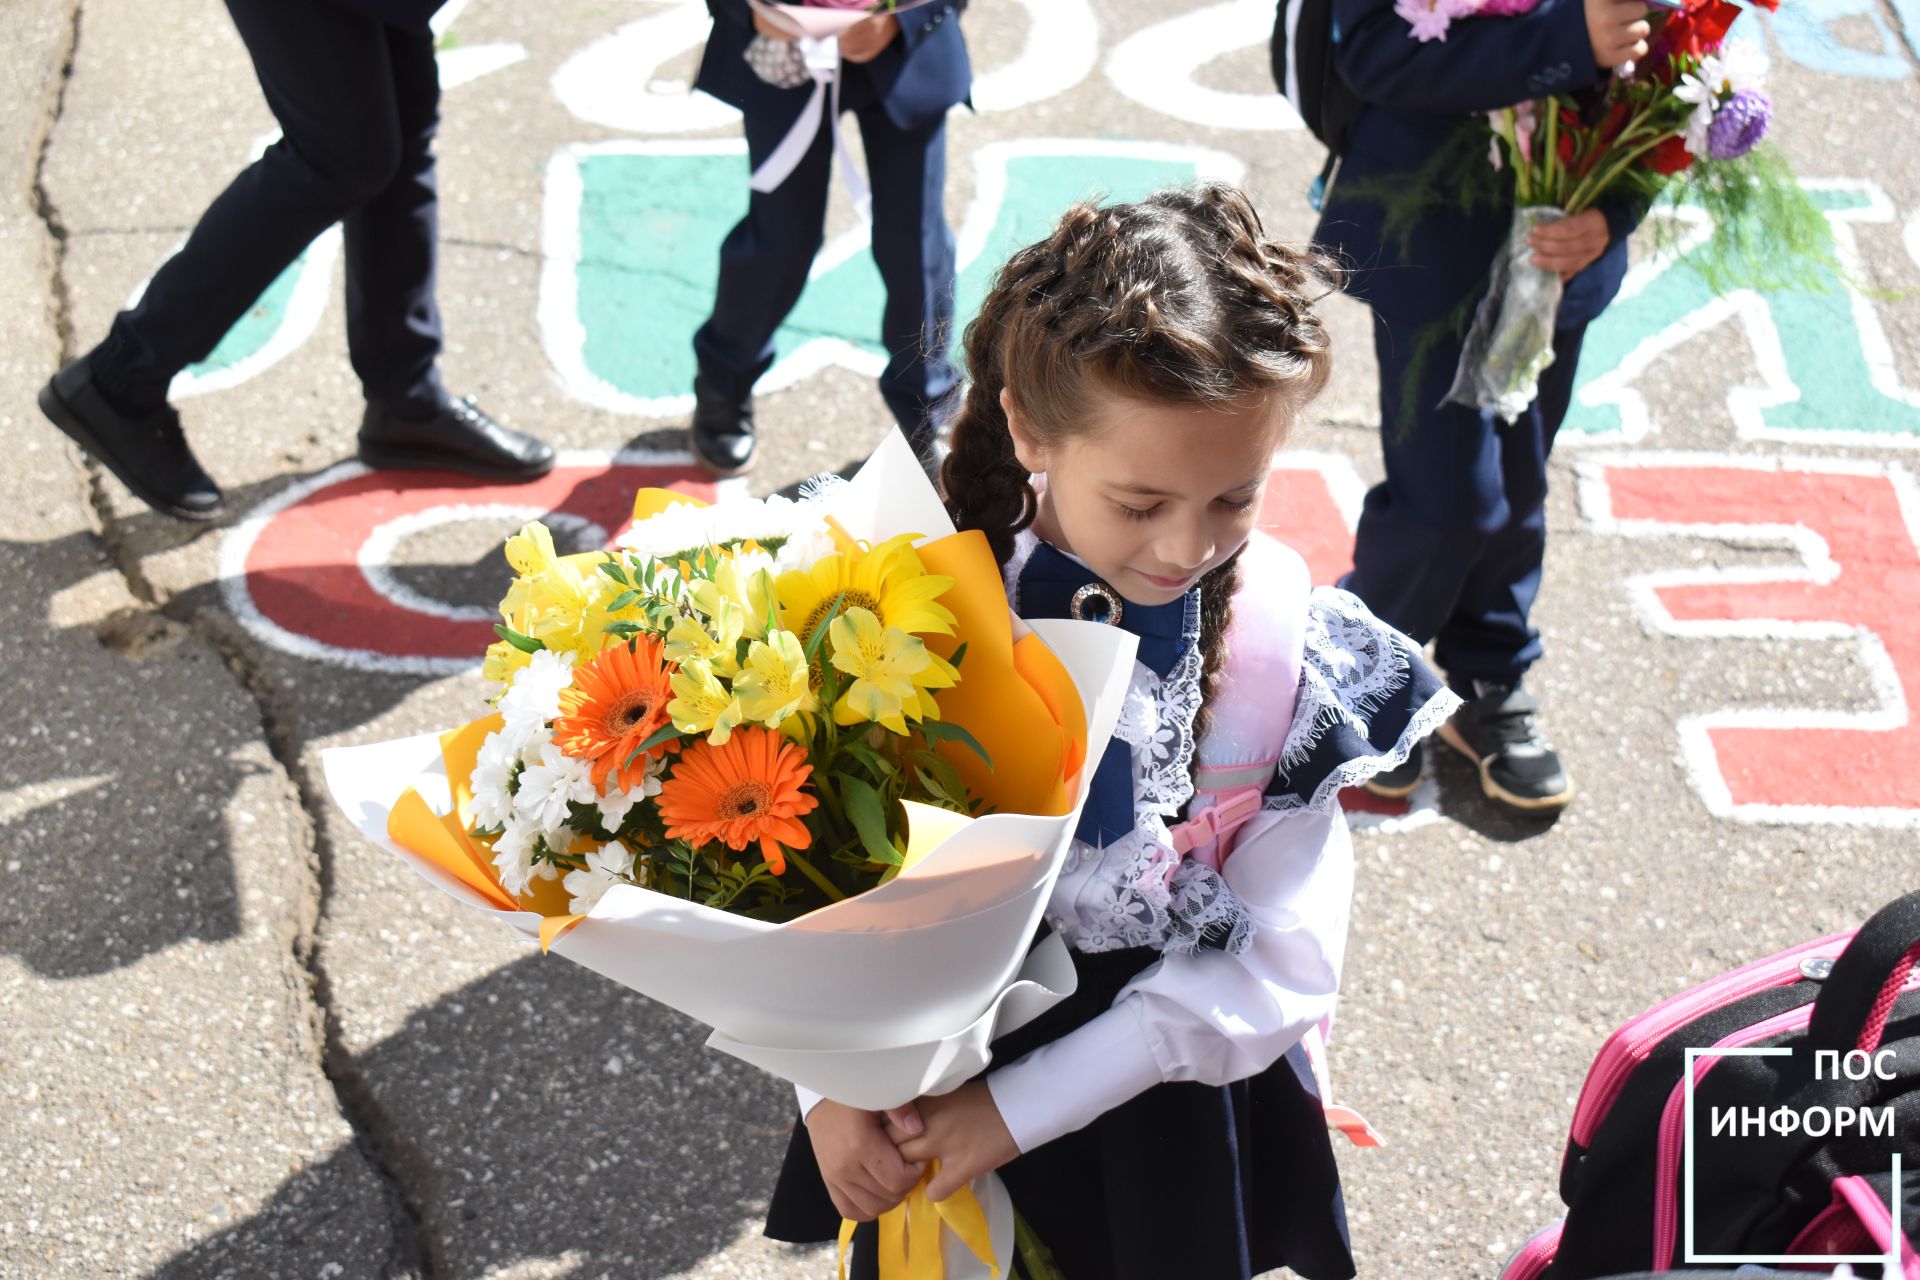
(1795, 1137)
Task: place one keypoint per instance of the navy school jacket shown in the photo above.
(1422, 98)
(916, 78)
(411, 14)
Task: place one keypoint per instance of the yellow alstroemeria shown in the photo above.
(752, 593)
(716, 642)
(557, 604)
(701, 704)
(775, 685)
(883, 662)
(503, 661)
(530, 551)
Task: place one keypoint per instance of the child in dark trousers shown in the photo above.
(1450, 545)
(899, 75)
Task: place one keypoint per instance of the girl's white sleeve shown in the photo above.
(1210, 1017)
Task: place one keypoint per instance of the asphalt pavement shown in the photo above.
(236, 1040)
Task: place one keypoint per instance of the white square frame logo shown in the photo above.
(1891, 1263)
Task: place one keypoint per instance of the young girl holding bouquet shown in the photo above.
(1133, 375)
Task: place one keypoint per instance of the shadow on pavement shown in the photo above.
(542, 1110)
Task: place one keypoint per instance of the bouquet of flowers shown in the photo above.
(793, 738)
(1694, 97)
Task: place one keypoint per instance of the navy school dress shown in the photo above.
(1185, 1179)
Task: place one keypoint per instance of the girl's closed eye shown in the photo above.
(1138, 513)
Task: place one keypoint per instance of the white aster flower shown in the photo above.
(534, 698)
(492, 801)
(1701, 87)
(513, 854)
(547, 787)
(1744, 64)
(607, 866)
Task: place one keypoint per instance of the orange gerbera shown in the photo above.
(617, 702)
(746, 789)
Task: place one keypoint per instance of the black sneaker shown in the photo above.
(721, 435)
(1496, 730)
(148, 452)
(1402, 780)
(461, 437)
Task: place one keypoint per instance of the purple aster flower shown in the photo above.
(1739, 124)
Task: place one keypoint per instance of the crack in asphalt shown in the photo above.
(409, 1181)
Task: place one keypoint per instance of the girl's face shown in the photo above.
(1153, 496)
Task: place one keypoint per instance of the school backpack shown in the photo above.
(1304, 34)
(1805, 1113)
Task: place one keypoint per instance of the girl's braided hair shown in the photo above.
(1177, 299)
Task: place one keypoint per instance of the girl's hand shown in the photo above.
(772, 30)
(863, 41)
(865, 1174)
(965, 1133)
(1570, 245)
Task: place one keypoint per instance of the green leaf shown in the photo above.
(946, 731)
(525, 644)
(665, 733)
(878, 764)
(622, 600)
(819, 635)
(959, 656)
(869, 819)
(623, 628)
(613, 570)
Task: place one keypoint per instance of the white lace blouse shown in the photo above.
(1308, 673)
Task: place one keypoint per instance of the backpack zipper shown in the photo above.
(1629, 1046)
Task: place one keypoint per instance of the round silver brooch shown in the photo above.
(1109, 606)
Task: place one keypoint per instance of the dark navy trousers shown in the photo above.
(1450, 545)
(358, 101)
(766, 258)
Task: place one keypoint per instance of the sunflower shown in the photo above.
(616, 702)
(888, 581)
(746, 789)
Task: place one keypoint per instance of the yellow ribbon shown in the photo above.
(909, 1247)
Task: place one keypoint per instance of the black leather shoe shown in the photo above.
(721, 436)
(458, 438)
(147, 452)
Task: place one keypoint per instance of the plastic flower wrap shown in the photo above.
(772, 737)
(1696, 97)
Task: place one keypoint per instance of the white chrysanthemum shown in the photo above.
(533, 743)
(615, 805)
(607, 866)
(513, 854)
(547, 787)
(683, 527)
(492, 801)
(534, 698)
(804, 548)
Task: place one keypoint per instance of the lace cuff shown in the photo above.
(1366, 697)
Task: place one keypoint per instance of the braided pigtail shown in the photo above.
(1177, 299)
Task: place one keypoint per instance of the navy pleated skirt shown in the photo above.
(1197, 1181)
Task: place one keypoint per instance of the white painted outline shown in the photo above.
(611, 81)
(1063, 46)
(1155, 67)
(1816, 565)
(563, 336)
(238, 545)
(1889, 1261)
(1747, 403)
(463, 64)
